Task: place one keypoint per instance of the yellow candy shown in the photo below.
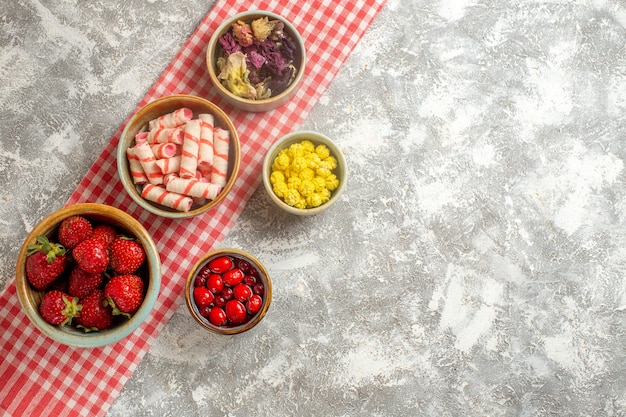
(332, 182)
(322, 151)
(281, 162)
(320, 184)
(299, 163)
(293, 183)
(314, 200)
(331, 161)
(280, 188)
(292, 197)
(302, 174)
(306, 174)
(308, 146)
(277, 176)
(323, 172)
(307, 187)
(313, 160)
(325, 194)
(295, 150)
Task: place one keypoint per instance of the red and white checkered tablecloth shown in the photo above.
(41, 377)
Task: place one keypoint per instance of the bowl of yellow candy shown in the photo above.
(304, 173)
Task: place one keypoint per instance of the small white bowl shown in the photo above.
(341, 171)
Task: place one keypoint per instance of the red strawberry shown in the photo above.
(45, 262)
(58, 308)
(126, 255)
(95, 315)
(91, 255)
(74, 230)
(82, 283)
(105, 232)
(124, 293)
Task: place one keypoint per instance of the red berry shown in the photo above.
(74, 230)
(199, 281)
(126, 255)
(227, 293)
(253, 271)
(232, 277)
(58, 308)
(258, 288)
(254, 304)
(202, 296)
(91, 255)
(204, 272)
(95, 313)
(236, 312)
(82, 283)
(221, 264)
(243, 265)
(217, 317)
(205, 311)
(124, 294)
(249, 280)
(220, 300)
(215, 284)
(242, 292)
(40, 272)
(105, 232)
(45, 262)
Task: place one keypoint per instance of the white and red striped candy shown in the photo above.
(158, 194)
(191, 187)
(205, 151)
(189, 162)
(148, 163)
(221, 142)
(164, 150)
(174, 119)
(173, 135)
(180, 161)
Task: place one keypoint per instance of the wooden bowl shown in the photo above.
(153, 110)
(263, 277)
(150, 272)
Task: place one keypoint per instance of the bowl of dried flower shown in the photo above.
(256, 60)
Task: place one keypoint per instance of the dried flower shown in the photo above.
(266, 68)
(234, 75)
(229, 43)
(243, 33)
(261, 28)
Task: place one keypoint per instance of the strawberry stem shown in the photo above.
(52, 250)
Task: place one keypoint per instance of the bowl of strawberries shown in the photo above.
(88, 275)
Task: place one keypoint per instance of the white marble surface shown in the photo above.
(476, 264)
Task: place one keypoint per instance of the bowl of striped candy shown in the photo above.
(178, 156)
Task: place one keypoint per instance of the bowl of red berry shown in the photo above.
(228, 291)
(88, 275)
